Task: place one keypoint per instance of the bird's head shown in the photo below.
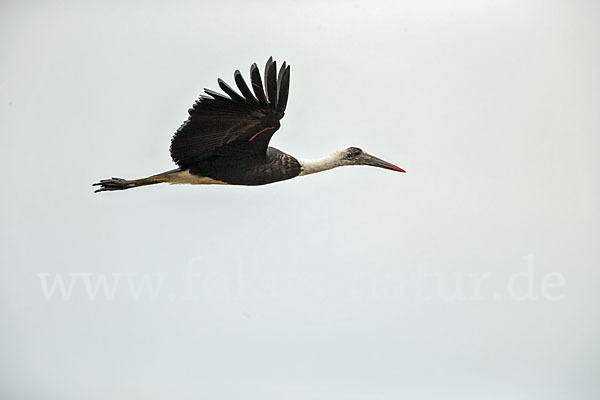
(356, 156)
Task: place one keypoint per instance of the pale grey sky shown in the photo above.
(338, 285)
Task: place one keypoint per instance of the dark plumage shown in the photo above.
(225, 139)
(274, 166)
(219, 126)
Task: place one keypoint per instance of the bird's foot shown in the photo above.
(114, 184)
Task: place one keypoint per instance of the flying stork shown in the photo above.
(225, 139)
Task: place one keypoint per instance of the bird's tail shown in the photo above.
(122, 184)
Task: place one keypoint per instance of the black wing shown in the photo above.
(236, 123)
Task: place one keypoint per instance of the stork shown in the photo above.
(225, 139)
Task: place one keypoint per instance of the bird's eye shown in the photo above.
(357, 153)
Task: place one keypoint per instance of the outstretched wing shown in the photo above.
(234, 124)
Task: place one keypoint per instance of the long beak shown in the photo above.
(378, 162)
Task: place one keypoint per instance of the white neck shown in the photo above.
(321, 164)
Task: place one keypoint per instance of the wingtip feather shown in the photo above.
(244, 89)
(257, 85)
